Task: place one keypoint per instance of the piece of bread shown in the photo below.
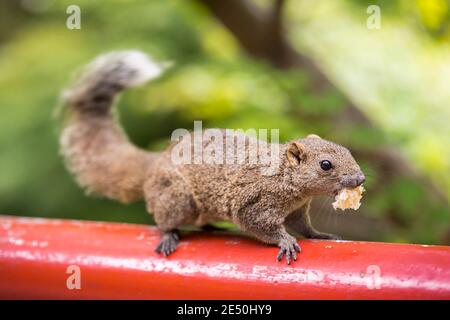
(348, 198)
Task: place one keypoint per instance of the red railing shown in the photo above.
(62, 259)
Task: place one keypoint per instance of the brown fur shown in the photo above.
(99, 154)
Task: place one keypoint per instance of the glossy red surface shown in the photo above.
(118, 261)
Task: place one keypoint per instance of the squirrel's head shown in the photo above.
(322, 167)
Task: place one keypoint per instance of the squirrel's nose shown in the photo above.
(353, 181)
(360, 179)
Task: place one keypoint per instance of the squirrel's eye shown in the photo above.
(326, 165)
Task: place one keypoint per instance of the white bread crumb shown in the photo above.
(348, 198)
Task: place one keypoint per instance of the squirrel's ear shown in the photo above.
(313, 136)
(295, 153)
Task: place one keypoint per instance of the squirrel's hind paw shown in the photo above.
(168, 243)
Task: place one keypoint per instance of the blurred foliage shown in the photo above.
(398, 75)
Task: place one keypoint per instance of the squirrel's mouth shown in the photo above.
(336, 191)
(349, 182)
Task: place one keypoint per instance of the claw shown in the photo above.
(280, 254)
(288, 256)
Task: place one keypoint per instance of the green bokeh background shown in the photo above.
(397, 76)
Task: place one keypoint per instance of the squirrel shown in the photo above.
(104, 162)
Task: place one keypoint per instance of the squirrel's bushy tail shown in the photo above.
(96, 149)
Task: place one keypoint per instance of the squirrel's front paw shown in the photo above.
(288, 247)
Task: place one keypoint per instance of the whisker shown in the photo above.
(322, 207)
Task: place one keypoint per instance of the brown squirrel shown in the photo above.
(106, 163)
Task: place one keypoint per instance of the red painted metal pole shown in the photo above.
(118, 261)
